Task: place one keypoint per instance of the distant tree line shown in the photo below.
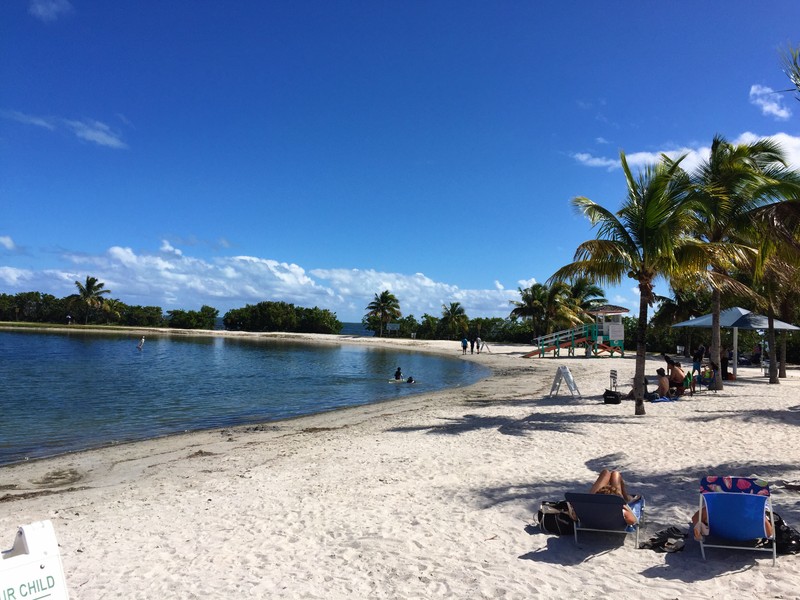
(281, 316)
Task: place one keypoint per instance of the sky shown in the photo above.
(315, 152)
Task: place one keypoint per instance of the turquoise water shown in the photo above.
(67, 392)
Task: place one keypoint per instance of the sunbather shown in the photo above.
(701, 529)
(611, 483)
(663, 383)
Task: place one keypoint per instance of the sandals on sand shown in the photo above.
(668, 540)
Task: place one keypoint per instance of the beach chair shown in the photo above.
(707, 380)
(737, 509)
(603, 512)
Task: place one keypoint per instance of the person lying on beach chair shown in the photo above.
(611, 483)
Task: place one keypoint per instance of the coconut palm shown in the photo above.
(91, 294)
(585, 295)
(791, 66)
(455, 318)
(728, 189)
(385, 306)
(638, 241)
(548, 307)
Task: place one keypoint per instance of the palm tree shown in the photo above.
(548, 307)
(113, 309)
(584, 296)
(727, 190)
(91, 294)
(791, 66)
(638, 241)
(531, 307)
(455, 318)
(385, 306)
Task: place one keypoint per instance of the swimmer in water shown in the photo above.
(141, 344)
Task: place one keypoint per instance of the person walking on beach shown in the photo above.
(478, 343)
(472, 346)
(464, 344)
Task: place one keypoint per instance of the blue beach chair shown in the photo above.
(737, 509)
(603, 512)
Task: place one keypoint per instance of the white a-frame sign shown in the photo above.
(563, 374)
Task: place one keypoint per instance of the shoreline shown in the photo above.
(425, 496)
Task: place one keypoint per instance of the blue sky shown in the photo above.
(198, 152)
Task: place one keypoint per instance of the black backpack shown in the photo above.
(553, 518)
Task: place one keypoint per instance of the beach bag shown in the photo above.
(787, 539)
(612, 397)
(553, 518)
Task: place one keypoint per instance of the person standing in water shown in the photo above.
(141, 344)
(398, 374)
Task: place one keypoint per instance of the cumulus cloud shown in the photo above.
(7, 243)
(769, 101)
(89, 130)
(170, 278)
(693, 156)
(49, 10)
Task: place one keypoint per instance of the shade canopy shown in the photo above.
(737, 318)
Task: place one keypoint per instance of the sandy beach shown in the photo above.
(425, 497)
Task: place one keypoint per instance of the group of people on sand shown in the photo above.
(472, 344)
(675, 378)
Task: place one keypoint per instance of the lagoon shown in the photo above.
(64, 392)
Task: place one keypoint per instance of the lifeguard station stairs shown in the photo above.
(583, 339)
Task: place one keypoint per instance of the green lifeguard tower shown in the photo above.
(606, 334)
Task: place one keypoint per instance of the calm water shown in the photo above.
(65, 392)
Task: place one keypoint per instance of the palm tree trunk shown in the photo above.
(716, 337)
(641, 356)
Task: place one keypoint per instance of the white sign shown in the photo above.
(32, 569)
(616, 331)
(563, 374)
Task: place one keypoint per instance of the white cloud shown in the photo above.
(19, 117)
(14, 277)
(769, 101)
(89, 130)
(7, 243)
(526, 283)
(601, 140)
(173, 280)
(168, 248)
(96, 132)
(693, 156)
(595, 161)
(49, 10)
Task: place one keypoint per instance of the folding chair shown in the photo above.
(603, 512)
(737, 509)
(613, 380)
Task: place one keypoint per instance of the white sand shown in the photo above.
(425, 497)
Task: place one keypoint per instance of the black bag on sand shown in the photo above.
(553, 518)
(612, 397)
(787, 539)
